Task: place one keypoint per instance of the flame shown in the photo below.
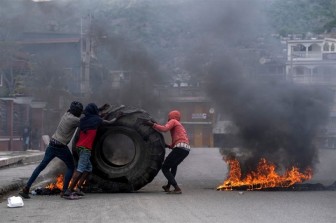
(58, 184)
(264, 177)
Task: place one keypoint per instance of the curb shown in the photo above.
(34, 158)
(11, 187)
(20, 159)
(41, 180)
(9, 161)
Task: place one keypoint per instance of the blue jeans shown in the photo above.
(61, 152)
(169, 167)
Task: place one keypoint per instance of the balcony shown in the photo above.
(304, 56)
(319, 79)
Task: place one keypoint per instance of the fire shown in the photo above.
(264, 177)
(58, 184)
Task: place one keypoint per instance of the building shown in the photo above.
(196, 109)
(15, 114)
(313, 62)
(63, 48)
(18, 109)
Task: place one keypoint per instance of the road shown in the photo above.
(198, 175)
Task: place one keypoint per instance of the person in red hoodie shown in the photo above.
(180, 148)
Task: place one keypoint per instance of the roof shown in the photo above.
(48, 41)
(306, 41)
(188, 99)
(48, 38)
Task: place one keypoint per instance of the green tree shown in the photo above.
(302, 16)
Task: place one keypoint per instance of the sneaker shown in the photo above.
(66, 193)
(71, 196)
(24, 193)
(176, 191)
(78, 192)
(166, 188)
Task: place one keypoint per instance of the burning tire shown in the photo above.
(127, 155)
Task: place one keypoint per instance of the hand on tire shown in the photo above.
(149, 123)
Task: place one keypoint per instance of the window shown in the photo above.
(299, 47)
(326, 47)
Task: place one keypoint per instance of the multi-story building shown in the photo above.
(313, 62)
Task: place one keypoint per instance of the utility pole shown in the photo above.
(291, 54)
(86, 52)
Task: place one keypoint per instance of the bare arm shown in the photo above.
(108, 122)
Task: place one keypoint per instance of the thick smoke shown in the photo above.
(139, 71)
(113, 49)
(275, 120)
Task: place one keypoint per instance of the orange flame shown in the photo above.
(264, 177)
(58, 184)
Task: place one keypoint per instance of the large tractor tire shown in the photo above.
(127, 155)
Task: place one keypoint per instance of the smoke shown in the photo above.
(214, 39)
(275, 120)
(113, 50)
(135, 69)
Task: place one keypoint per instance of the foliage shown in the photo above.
(302, 16)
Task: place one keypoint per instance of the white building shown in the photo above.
(314, 62)
(311, 61)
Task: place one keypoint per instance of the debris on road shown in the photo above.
(14, 202)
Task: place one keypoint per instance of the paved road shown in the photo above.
(199, 175)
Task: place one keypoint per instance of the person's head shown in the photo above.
(91, 109)
(76, 108)
(174, 115)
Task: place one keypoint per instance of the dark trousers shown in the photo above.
(61, 152)
(169, 167)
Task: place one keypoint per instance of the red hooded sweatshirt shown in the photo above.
(177, 131)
